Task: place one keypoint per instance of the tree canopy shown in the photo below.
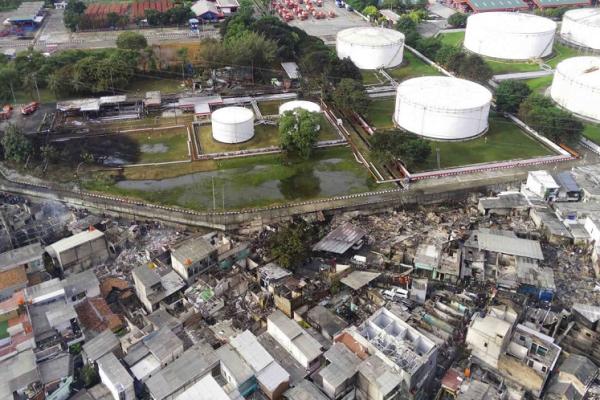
(395, 145)
(17, 147)
(542, 115)
(458, 20)
(350, 95)
(299, 130)
(291, 245)
(510, 94)
(131, 41)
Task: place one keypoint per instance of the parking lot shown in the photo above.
(327, 28)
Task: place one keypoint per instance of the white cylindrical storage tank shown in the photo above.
(442, 108)
(582, 27)
(576, 86)
(232, 124)
(509, 36)
(302, 104)
(371, 48)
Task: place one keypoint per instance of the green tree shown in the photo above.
(73, 13)
(458, 20)
(349, 95)
(17, 147)
(558, 125)
(390, 146)
(252, 50)
(510, 94)
(429, 46)
(370, 11)
(291, 245)
(131, 41)
(446, 53)
(475, 68)
(89, 376)
(299, 130)
(49, 154)
(8, 82)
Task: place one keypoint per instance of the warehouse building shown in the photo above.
(80, 251)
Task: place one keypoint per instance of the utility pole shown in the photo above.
(36, 88)
(212, 178)
(13, 93)
(437, 151)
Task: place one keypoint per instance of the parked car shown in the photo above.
(30, 108)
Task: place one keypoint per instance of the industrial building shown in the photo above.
(442, 108)
(299, 104)
(232, 124)
(510, 36)
(576, 86)
(582, 27)
(370, 47)
(80, 251)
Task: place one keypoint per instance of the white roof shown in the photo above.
(302, 104)
(74, 241)
(206, 388)
(273, 376)
(439, 92)
(585, 71)
(584, 16)
(371, 36)
(145, 367)
(491, 325)
(232, 115)
(510, 22)
(544, 178)
(251, 350)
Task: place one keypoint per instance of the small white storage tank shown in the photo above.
(442, 108)
(510, 36)
(576, 86)
(232, 124)
(303, 104)
(582, 27)
(371, 48)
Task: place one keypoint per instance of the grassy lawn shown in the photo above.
(149, 122)
(561, 52)
(506, 67)
(592, 132)
(411, 67)
(3, 329)
(370, 77)
(165, 85)
(249, 182)
(162, 146)
(270, 107)
(539, 85)
(46, 96)
(503, 141)
(453, 38)
(264, 136)
(379, 113)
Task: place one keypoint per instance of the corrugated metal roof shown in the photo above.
(359, 279)
(105, 342)
(291, 69)
(566, 180)
(75, 240)
(591, 313)
(304, 390)
(483, 5)
(500, 243)
(340, 239)
(19, 256)
(251, 350)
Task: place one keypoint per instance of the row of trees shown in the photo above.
(453, 58)
(394, 145)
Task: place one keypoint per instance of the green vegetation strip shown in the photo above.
(503, 141)
(453, 38)
(411, 67)
(162, 146)
(592, 132)
(3, 329)
(539, 85)
(379, 113)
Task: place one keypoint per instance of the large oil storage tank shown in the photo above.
(371, 48)
(302, 104)
(576, 86)
(232, 124)
(510, 36)
(582, 27)
(442, 108)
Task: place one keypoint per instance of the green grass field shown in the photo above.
(539, 85)
(162, 146)
(453, 38)
(379, 113)
(411, 67)
(140, 86)
(592, 132)
(370, 77)
(270, 107)
(503, 141)
(561, 52)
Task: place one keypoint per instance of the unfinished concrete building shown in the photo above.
(80, 251)
(155, 285)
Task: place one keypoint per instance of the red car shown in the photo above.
(30, 108)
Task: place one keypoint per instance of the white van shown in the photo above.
(395, 293)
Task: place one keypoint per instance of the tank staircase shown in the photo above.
(388, 77)
(256, 109)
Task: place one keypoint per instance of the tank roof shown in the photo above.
(584, 70)
(510, 22)
(232, 115)
(444, 92)
(585, 16)
(371, 36)
(303, 104)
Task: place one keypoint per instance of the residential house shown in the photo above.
(193, 257)
(155, 285)
(102, 344)
(181, 374)
(237, 373)
(271, 275)
(542, 184)
(338, 377)
(96, 316)
(17, 374)
(207, 388)
(12, 280)
(304, 390)
(272, 379)
(341, 239)
(328, 323)
(115, 377)
(489, 335)
(575, 376)
(19, 333)
(57, 376)
(30, 256)
(80, 251)
(295, 340)
(568, 190)
(507, 203)
(154, 352)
